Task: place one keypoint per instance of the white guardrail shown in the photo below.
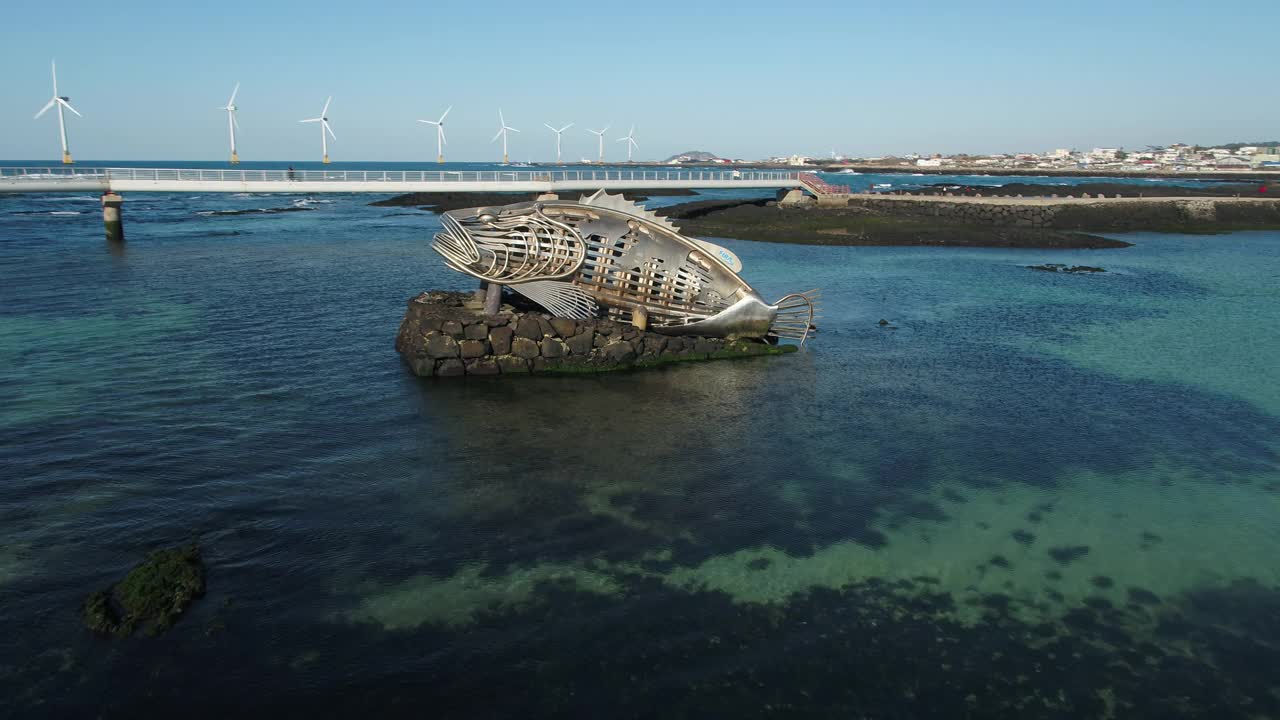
(20, 174)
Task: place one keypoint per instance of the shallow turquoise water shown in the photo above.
(1038, 496)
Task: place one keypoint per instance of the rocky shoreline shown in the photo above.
(445, 334)
(1242, 176)
(763, 220)
(444, 201)
(1111, 190)
(996, 219)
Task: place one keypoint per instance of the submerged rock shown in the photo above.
(1058, 267)
(151, 596)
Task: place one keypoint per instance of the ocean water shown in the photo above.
(1032, 495)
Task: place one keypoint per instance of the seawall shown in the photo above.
(1078, 213)
(444, 334)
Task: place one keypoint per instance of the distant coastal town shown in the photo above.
(1173, 158)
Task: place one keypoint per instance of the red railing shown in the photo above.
(822, 187)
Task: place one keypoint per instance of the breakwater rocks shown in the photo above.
(444, 334)
(881, 225)
(1088, 214)
(440, 202)
(1110, 190)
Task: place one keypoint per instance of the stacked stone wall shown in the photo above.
(444, 335)
(1070, 213)
(969, 213)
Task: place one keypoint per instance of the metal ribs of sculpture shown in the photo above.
(603, 250)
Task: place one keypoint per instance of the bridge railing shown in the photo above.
(45, 173)
(398, 176)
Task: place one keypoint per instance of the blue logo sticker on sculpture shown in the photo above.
(605, 251)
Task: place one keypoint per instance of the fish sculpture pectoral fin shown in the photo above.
(563, 299)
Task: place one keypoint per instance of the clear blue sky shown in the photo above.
(741, 78)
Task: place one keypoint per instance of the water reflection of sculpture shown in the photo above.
(574, 257)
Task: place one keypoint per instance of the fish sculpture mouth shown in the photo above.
(604, 251)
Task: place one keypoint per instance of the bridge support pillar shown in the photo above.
(492, 298)
(112, 218)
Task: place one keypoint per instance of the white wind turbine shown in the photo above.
(232, 123)
(324, 128)
(558, 133)
(503, 129)
(630, 140)
(60, 102)
(600, 136)
(440, 141)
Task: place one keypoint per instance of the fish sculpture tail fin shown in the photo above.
(796, 315)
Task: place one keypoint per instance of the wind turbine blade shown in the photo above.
(501, 120)
(54, 64)
(446, 114)
(234, 121)
(310, 120)
(325, 111)
(566, 127)
(634, 144)
(67, 105)
(550, 128)
(429, 122)
(606, 128)
(232, 101)
(325, 123)
(45, 109)
(495, 137)
(512, 129)
(622, 139)
(443, 141)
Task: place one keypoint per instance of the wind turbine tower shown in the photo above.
(324, 128)
(630, 140)
(60, 102)
(503, 129)
(558, 134)
(440, 141)
(600, 136)
(232, 123)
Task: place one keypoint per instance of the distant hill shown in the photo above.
(1237, 146)
(695, 155)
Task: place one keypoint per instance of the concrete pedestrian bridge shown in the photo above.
(121, 180)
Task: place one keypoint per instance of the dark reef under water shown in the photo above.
(871, 649)
(960, 518)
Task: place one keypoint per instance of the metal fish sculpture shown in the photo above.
(603, 250)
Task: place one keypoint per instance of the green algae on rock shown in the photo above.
(151, 596)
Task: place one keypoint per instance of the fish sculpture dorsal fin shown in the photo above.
(620, 203)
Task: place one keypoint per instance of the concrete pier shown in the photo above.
(492, 298)
(112, 217)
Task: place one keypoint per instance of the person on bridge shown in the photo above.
(291, 174)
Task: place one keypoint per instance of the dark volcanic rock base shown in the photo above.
(440, 336)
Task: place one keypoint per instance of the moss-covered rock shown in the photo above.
(151, 596)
